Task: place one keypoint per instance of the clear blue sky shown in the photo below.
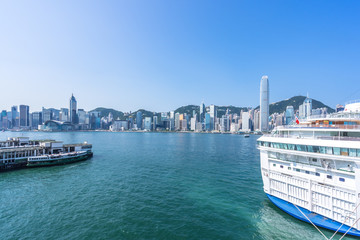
(160, 55)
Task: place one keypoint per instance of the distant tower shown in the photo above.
(202, 112)
(264, 104)
(73, 105)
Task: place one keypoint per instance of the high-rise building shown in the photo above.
(36, 119)
(305, 109)
(155, 122)
(177, 121)
(245, 117)
(73, 108)
(64, 115)
(24, 116)
(264, 104)
(202, 113)
(14, 117)
(82, 116)
(213, 116)
(139, 120)
(289, 115)
(147, 123)
(207, 122)
(4, 123)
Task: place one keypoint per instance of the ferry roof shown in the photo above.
(19, 149)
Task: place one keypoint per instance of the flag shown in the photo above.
(297, 120)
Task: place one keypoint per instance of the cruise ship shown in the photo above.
(21, 152)
(311, 170)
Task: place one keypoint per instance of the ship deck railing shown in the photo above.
(339, 138)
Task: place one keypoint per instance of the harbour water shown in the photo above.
(146, 186)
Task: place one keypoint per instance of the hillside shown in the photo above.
(105, 112)
(279, 107)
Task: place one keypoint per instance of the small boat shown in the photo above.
(246, 135)
(58, 159)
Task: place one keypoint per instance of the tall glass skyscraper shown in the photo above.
(202, 112)
(24, 116)
(73, 106)
(139, 120)
(264, 104)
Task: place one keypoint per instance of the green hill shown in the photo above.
(104, 112)
(279, 107)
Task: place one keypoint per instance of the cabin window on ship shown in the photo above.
(329, 150)
(344, 152)
(358, 152)
(291, 146)
(336, 151)
(352, 152)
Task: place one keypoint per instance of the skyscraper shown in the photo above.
(14, 117)
(289, 115)
(24, 116)
(202, 112)
(213, 116)
(139, 120)
(264, 104)
(73, 107)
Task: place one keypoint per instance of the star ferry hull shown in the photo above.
(315, 218)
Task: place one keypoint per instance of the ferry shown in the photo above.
(311, 170)
(58, 159)
(20, 152)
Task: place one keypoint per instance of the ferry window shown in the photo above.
(329, 150)
(344, 152)
(289, 168)
(322, 150)
(274, 165)
(317, 174)
(281, 166)
(310, 149)
(336, 151)
(301, 148)
(272, 145)
(352, 152)
(316, 149)
(282, 146)
(341, 179)
(307, 172)
(314, 159)
(285, 146)
(291, 146)
(358, 152)
(329, 176)
(298, 170)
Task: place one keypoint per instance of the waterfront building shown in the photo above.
(319, 112)
(234, 127)
(64, 115)
(155, 122)
(36, 120)
(73, 110)
(245, 118)
(4, 121)
(147, 123)
(289, 115)
(202, 113)
(119, 125)
(82, 116)
(193, 123)
(139, 120)
(47, 114)
(14, 117)
(24, 116)
(177, 121)
(207, 122)
(264, 104)
(305, 108)
(256, 120)
(184, 125)
(213, 116)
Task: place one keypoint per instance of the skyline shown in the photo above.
(162, 55)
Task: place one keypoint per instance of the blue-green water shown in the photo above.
(146, 186)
